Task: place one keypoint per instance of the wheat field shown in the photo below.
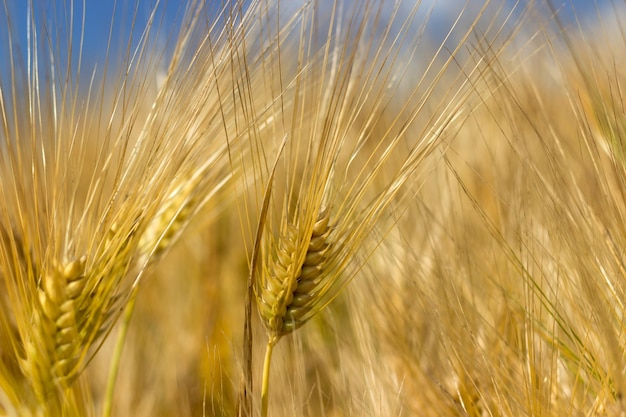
(313, 208)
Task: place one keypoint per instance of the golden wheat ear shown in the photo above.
(349, 154)
(290, 285)
(99, 183)
(52, 353)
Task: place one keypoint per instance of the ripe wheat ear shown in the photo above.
(289, 287)
(95, 186)
(347, 156)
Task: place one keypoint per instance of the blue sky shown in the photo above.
(98, 16)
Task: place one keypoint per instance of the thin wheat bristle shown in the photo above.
(290, 286)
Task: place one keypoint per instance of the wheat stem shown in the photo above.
(107, 407)
(266, 374)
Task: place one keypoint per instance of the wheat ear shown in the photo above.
(52, 354)
(289, 287)
(310, 245)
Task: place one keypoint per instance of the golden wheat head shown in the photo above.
(331, 154)
(96, 185)
(293, 283)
